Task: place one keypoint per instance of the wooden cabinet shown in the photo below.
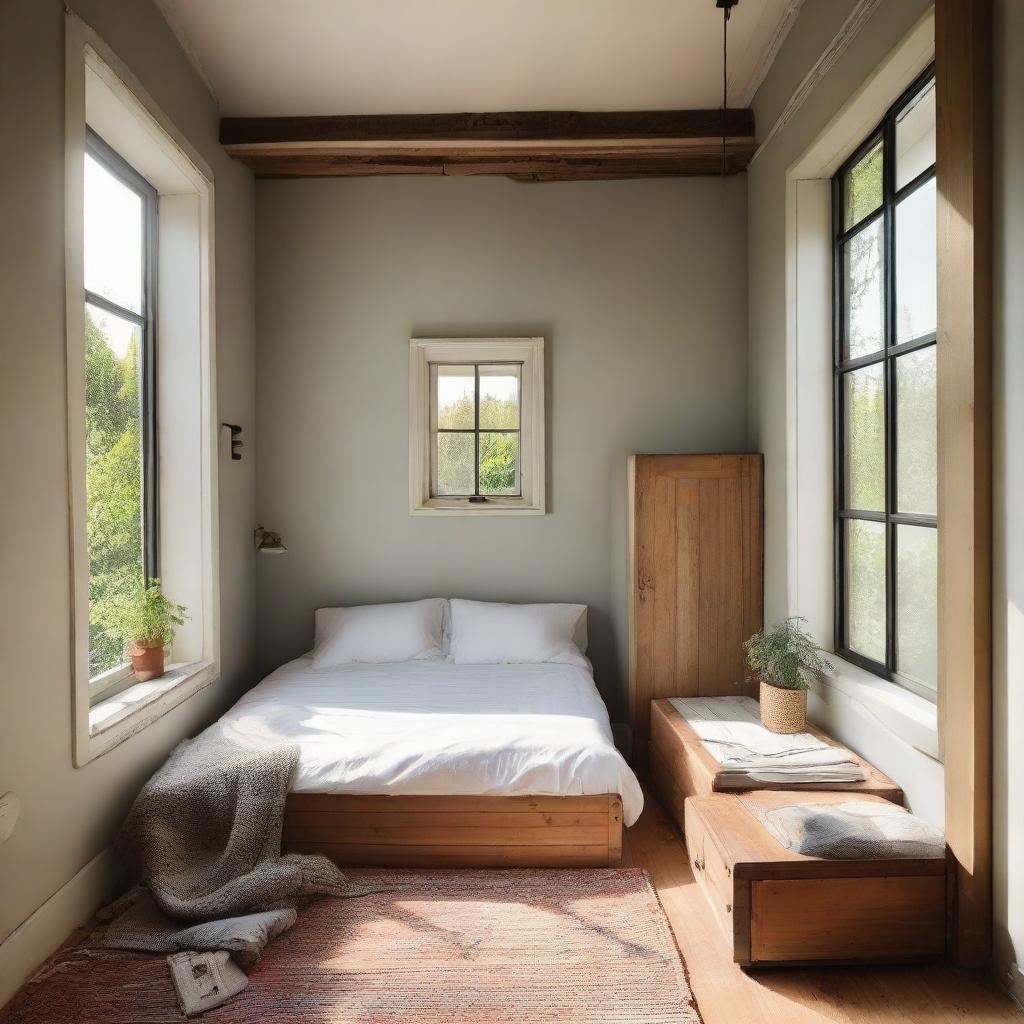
(777, 907)
(695, 591)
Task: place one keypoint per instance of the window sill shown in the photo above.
(910, 716)
(114, 719)
(464, 507)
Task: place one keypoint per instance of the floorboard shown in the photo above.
(929, 994)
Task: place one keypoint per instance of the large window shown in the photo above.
(119, 229)
(129, 357)
(884, 398)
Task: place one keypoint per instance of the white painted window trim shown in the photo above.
(529, 352)
(809, 541)
(102, 727)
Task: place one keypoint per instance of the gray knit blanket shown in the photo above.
(202, 843)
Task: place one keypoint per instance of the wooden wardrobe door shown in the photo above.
(695, 578)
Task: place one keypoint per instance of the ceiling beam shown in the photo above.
(527, 145)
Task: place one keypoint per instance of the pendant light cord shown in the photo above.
(725, 78)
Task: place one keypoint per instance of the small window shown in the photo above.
(477, 438)
(475, 425)
(885, 397)
(119, 229)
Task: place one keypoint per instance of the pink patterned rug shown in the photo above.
(515, 947)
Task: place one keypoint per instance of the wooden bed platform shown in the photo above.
(456, 831)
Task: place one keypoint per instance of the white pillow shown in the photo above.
(378, 633)
(485, 633)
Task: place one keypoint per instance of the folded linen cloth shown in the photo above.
(731, 730)
(853, 830)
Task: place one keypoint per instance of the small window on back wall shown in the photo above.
(885, 397)
(477, 419)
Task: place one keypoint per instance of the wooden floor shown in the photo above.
(932, 994)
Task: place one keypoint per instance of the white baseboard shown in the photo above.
(43, 932)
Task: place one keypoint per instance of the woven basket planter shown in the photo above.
(783, 711)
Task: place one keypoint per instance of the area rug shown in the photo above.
(589, 946)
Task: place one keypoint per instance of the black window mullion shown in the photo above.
(855, 229)
(476, 430)
(102, 302)
(914, 184)
(148, 393)
(889, 381)
(838, 420)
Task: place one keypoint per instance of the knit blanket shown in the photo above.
(202, 843)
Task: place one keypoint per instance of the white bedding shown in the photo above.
(431, 727)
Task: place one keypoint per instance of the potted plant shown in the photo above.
(778, 658)
(146, 622)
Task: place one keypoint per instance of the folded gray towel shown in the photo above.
(853, 830)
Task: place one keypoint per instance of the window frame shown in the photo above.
(887, 357)
(424, 354)
(101, 91)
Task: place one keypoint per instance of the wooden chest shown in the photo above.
(777, 907)
(681, 766)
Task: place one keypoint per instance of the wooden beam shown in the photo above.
(548, 125)
(527, 146)
(963, 66)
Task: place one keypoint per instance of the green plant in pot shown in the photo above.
(779, 659)
(146, 622)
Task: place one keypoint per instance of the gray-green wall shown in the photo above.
(639, 288)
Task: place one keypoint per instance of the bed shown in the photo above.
(429, 763)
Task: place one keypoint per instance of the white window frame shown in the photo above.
(423, 352)
(101, 90)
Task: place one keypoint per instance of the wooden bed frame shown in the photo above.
(695, 596)
(456, 831)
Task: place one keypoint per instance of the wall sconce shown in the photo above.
(267, 542)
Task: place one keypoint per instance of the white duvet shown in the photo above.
(431, 727)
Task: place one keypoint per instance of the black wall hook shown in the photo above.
(236, 444)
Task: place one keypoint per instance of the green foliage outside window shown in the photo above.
(499, 453)
(113, 488)
(864, 187)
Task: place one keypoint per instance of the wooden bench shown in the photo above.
(681, 767)
(777, 907)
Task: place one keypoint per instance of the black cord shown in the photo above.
(725, 78)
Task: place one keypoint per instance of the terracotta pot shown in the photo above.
(147, 662)
(783, 711)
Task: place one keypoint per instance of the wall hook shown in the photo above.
(236, 443)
